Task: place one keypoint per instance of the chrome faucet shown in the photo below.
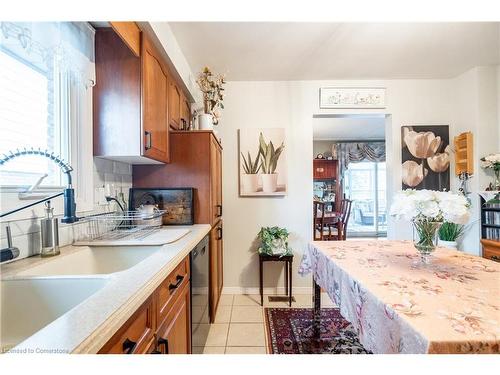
(68, 192)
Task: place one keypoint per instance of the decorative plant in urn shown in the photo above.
(427, 210)
(269, 161)
(251, 168)
(274, 241)
(212, 87)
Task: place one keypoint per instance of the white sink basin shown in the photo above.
(92, 261)
(29, 305)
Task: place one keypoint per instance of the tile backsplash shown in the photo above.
(110, 177)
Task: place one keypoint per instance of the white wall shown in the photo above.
(476, 104)
(291, 105)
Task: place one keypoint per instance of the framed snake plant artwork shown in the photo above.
(262, 162)
(426, 155)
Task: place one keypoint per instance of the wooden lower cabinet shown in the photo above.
(216, 268)
(162, 325)
(135, 336)
(174, 334)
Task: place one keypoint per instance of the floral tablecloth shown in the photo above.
(449, 306)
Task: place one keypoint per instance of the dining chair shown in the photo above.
(338, 231)
(319, 220)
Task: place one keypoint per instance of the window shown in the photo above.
(27, 120)
(47, 71)
(365, 185)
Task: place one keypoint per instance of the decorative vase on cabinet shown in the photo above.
(205, 121)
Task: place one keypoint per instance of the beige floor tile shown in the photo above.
(247, 314)
(246, 300)
(226, 300)
(223, 314)
(326, 301)
(216, 335)
(245, 350)
(246, 334)
(209, 349)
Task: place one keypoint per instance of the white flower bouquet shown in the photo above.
(428, 209)
(492, 161)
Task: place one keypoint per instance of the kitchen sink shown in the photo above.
(92, 261)
(28, 305)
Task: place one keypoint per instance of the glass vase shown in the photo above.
(425, 239)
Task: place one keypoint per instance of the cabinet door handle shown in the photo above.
(219, 210)
(495, 258)
(219, 230)
(129, 346)
(162, 341)
(148, 143)
(176, 285)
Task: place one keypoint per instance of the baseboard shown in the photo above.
(271, 291)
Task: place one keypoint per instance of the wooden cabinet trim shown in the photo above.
(130, 33)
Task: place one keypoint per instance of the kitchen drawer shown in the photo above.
(170, 288)
(136, 335)
(491, 249)
(174, 334)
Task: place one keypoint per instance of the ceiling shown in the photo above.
(309, 51)
(349, 128)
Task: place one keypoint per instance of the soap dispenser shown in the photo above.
(50, 232)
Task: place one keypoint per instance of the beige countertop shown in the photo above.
(89, 325)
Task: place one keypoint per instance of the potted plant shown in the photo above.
(212, 87)
(250, 177)
(274, 241)
(449, 233)
(269, 162)
(427, 210)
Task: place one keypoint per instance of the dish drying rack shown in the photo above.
(119, 225)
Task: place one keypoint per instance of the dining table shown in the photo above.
(398, 305)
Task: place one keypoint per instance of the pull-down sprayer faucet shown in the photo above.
(69, 192)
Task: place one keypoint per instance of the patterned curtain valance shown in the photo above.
(356, 152)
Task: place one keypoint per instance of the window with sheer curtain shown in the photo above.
(46, 75)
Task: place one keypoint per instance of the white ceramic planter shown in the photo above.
(250, 182)
(269, 182)
(205, 121)
(448, 244)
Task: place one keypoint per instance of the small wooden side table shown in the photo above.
(288, 259)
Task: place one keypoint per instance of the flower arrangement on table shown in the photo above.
(427, 210)
(212, 87)
(274, 241)
(492, 161)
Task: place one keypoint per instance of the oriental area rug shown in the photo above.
(290, 331)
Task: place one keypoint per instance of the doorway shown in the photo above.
(359, 177)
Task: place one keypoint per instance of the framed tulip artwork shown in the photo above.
(426, 155)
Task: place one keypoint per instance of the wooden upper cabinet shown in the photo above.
(324, 169)
(174, 105)
(154, 103)
(130, 34)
